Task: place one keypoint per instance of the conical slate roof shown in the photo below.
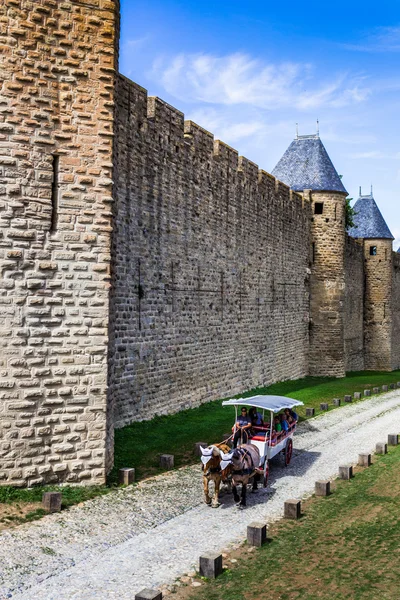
(306, 166)
(368, 220)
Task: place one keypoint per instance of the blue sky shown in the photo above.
(249, 71)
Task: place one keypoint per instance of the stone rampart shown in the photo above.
(396, 311)
(354, 305)
(210, 286)
(57, 61)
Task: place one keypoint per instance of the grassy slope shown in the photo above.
(346, 546)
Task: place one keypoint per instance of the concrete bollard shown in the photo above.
(357, 395)
(256, 534)
(381, 448)
(393, 439)
(392, 386)
(336, 401)
(398, 384)
(367, 392)
(148, 594)
(346, 472)
(322, 488)
(376, 390)
(384, 388)
(348, 398)
(198, 446)
(324, 406)
(167, 461)
(310, 412)
(364, 460)
(210, 565)
(52, 501)
(292, 509)
(126, 476)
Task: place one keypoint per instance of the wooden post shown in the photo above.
(310, 412)
(198, 446)
(256, 534)
(357, 395)
(393, 439)
(210, 565)
(167, 461)
(52, 501)
(376, 390)
(348, 398)
(148, 594)
(381, 448)
(336, 401)
(367, 392)
(126, 476)
(292, 509)
(384, 388)
(322, 488)
(364, 460)
(324, 406)
(346, 472)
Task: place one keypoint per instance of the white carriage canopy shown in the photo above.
(272, 403)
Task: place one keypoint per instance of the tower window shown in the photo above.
(318, 208)
(372, 250)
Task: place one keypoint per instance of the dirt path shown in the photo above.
(147, 536)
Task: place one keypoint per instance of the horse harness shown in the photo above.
(248, 470)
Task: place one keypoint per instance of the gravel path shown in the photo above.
(152, 533)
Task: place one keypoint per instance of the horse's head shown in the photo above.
(226, 459)
(209, 453)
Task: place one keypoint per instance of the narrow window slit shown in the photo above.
(54, 194)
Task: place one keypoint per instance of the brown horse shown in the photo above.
(211, 459)
(244, 461)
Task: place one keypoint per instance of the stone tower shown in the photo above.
(306, 167)
(58, 61)
(370, 227)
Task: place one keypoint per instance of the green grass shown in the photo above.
(140, 444)
(345, 547)
(70, 495)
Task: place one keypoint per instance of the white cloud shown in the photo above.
(240, 79)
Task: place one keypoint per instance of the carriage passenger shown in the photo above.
(277, 425)
(256, 418)
(284, 423)
(243, 426)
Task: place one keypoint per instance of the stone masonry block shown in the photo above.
(364, 460)
(322, 488)
(385, 388)
(367, 392)
(381, 448)
(346, 472)
(148, 594)
(52, 501)
(393, 439)
(324, 406)
(357, 395)
(336, 401)
(210, 565)
(167, 461)
(126, 476)
(348, 398)
(310, 412)
(256, 534)
(198, 446)
(292, 509)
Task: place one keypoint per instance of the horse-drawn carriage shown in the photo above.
(251, 459)
(268, 442)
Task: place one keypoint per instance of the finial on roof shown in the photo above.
(317, 128)
(297, 131)
(359, 193)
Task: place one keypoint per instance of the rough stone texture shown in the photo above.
(396, 311)
(346, 472)
(256, 534)
(354, 305)
(378, 305)
(148, 594)
(210, 291)
(327, 285)
(292, 509)
(57, 63)
(364, 460)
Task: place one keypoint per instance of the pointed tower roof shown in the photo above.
(306, 166)
(368, 220)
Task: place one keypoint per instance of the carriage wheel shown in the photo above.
(265, 473)
(288, 451)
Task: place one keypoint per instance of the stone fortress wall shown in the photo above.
(58, 61)
(146, 267)
(210, 284)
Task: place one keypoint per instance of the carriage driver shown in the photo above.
(243, 424)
